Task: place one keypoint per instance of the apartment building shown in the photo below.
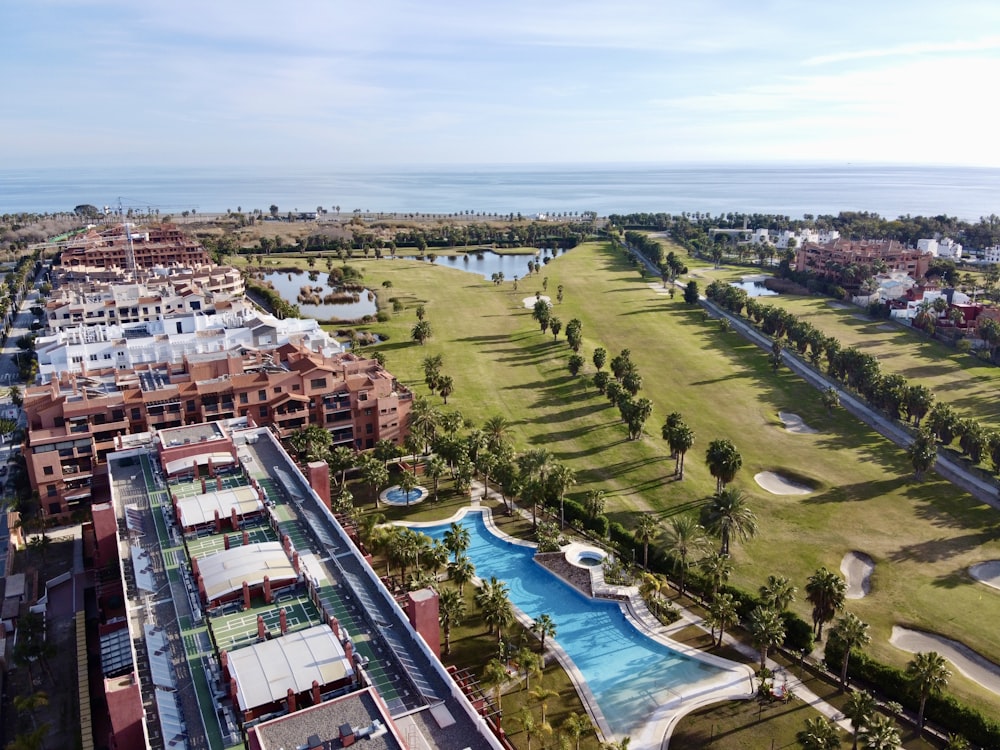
(75, 420)
(127, 247)
(832, 257)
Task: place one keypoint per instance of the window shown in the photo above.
(118, 415)
(296, 387)
(107, 355)
(190, 405)
(368, 428)
(93, 357)
(52, 490)
(77, 360)
(317, 383)
(244, 397)
(136, 414)
(48, 471)
(368, 412)
(277, 390)
(54, 509)
(263, 411)
(262, 395)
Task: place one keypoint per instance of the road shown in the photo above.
(945, 466)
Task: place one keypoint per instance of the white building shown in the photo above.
(941, 248)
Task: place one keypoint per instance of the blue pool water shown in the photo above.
(628, 673)
(396, 496)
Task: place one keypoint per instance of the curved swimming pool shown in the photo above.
(628, 673)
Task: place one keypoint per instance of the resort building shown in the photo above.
(274, 634)
(74, 419)
(832, 258)
(127, 247)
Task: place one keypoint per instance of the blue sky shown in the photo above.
(260, 82)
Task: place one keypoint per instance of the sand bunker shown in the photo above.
(987, 572)
(794, 423)
(779, 485)
(857, 568)
(529, 302)
(977, 668)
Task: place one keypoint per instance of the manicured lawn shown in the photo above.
(922, 535)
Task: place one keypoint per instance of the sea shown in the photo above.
(967, 193)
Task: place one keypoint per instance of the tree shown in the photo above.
(527, 720)
(446, 386)
(312, 443)
(922, 452)
(555, 325)
(340, 460)
(929, 675)
(457, 539)
(541, 313)
(462, 570)
(717, 568)
(646, 531)
(375, 475)
(680, 438)
(767, 630)
(776, 355)
(691, 293)
(685, 537)
(594, 503)
(723, 462)
(861, 706)
(16, 397)
(575, 364)
(777, 593)
(497, 431)
(421, 332)
(728, 516)
(722, 614)
(432, 371)
(492, 598)
(830, 399)
(850, 632)
(600, 357)
(880, 734)
(825, 590)
(544, 626)
(407, 483)
(819, 733)
(574, 334)
(495, 675)
(543, 696)
(561, 478)
(577, 725)
(451, 610)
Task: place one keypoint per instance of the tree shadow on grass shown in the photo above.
(952, 580)
(940, 549)
(856, 492)
(946, 509)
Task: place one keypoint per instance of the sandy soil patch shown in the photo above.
(857, 568)
(974, 666)
(794, 423)
(987, 572)
(779, 485)
(529, 302)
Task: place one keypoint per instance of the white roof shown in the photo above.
(265, 671)
(200, 509)
(225, 572)
(180, 464)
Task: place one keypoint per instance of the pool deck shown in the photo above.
(737, 682)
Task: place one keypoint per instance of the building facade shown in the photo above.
(127, 247)
(829, 259)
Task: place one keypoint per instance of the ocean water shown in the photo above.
(891, 191)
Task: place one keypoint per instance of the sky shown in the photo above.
(436, 82)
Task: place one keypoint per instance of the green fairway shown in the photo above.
(922, 535)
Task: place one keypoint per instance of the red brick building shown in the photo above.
(831, 258)
(163, 245)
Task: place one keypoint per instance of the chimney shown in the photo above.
(225, 541)
(267, 590)
(246, 595)
(318, 473)
(246, 537)
(335, 627)
(346, 735)
(224, 662)
(316, 695)
(261, 630)
(291, 701)
(283, 619)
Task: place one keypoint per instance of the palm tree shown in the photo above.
(685, 537)
(819, 734)
(681, 439)
(30, 703)
(576, 725)
(930, 675)
(850, 632)
(825, 590)
(830, 399)
(494, 602)
(723, 462)
(922, 452)
(722, 614)
(495, 675)
(717, 568)
(435, 469)
(421, 332)
(778, 593)
(497, 431)
(340, 459)
(407, 483)
(543, 696)
(561, 479)
(880, 734)
(545, 627)
(445, 386)
(457, 539)
(860, 708)
(461, 571)
(728, 515)
(451, 610)
(645, 532)
(767, 630)
(375, 474)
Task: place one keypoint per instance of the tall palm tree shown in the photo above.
(545, 627)
(723, 462)
(543, 695)
(722, 615)
(819, 733)
(825, 590)
(375, 475)
(778, 592)
(527, 720)
(561, 479)
(851, 633)
(407, 483)
(495, 675)
(497, 431)
(646, 530)
(457, 539)
(717, 568)
(685, 537)
(461, 571)
(860, 708)
(340, 459)
(767, 630)
(494, 602)
(729, 515)
(930, 675)
(681, 440)
(575, 726)
(880, 734)
(435, 469)
(451, 610)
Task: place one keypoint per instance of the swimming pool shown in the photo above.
(629, 674)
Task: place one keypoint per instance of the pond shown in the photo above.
(486, 263)
(754, 286)
(289, 284)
